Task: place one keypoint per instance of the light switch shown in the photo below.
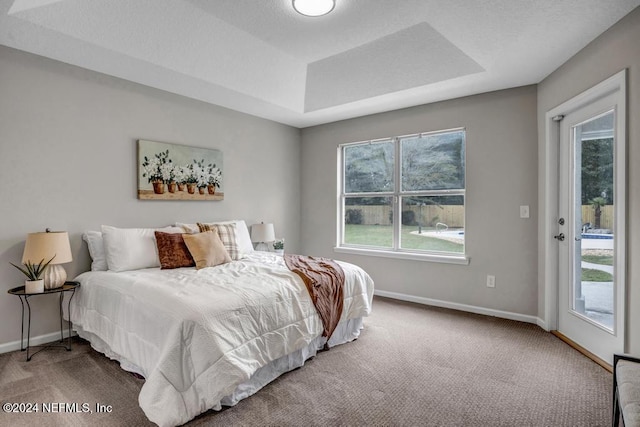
(524, 211)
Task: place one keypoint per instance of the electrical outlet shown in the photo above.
(491, 281)
(524, 211)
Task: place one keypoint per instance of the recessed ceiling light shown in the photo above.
(313, 7)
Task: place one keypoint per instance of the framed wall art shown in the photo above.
(179, 172)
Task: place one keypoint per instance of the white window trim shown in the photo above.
(416, 255)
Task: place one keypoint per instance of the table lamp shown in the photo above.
(262, 233)
(43, 246)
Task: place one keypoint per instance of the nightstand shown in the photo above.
(24, 300)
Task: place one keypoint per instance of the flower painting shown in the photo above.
(178, 172)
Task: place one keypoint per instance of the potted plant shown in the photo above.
(169, 176)
(201, 173)
(192, 177)
(34, 283)
(215, 176)
(158, 170)
(181, 174)
(278, 246)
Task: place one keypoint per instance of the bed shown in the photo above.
(207, 338)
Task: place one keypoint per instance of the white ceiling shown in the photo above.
(262, 58)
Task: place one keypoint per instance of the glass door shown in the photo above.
(591, 255)
(593, 250)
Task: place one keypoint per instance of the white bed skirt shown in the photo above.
(346, 331)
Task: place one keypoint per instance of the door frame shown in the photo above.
(548, 224)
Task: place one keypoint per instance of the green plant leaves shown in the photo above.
(33, 271)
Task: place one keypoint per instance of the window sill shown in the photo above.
(447, 259)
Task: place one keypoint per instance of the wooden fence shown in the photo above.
(453, 215)
(606, 216)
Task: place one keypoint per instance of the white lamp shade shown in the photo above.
(262, 233)
(43, 246)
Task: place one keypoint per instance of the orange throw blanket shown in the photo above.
(324, 279)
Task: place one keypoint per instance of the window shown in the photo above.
(404, 195)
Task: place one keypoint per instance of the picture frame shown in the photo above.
(179, 172)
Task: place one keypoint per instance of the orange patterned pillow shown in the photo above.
(172, 251)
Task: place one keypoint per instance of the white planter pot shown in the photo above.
(34, 286)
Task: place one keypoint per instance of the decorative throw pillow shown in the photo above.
(243, 239)
(172, 251)
(227, 233)
(206, 249)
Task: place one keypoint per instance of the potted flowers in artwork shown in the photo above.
(201, 174)
(158, 170)
(169, 176)
(181, 175)
(215, 176)
(192, 178)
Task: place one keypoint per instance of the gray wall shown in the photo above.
(501, 151)
(68, 159)
(68, 162)
(616, 49)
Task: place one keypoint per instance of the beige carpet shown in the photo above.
(413, 365)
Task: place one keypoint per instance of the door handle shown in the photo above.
(560, 237)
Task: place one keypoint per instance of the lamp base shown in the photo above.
(262, 247)
(54, 276)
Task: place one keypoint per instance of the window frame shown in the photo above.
(397, 196)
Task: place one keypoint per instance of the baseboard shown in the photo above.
(542, 324)
(39, 340)
(463, 307)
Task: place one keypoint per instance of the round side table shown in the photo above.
(24, 300)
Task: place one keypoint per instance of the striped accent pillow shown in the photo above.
(227, 233)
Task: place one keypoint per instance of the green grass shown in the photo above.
(382, 236)
(589, 275)
(598, 259)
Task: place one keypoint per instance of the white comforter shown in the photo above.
(195, 335)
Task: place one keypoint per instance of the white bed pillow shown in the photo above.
(95, 242)
(132, 248)
(243, 239)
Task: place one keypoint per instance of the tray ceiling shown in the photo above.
(262, 58)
